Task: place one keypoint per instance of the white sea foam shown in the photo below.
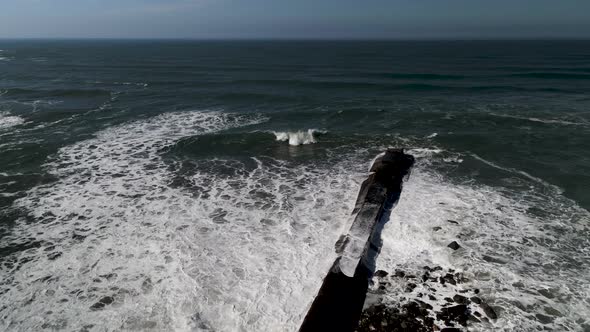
(298, 137)
(203, 251)
(7, 120)
(525, 264)
(244, 252)
(433, 135)
(424, 152)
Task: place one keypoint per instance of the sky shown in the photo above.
(295, 19)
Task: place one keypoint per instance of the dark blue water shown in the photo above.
(201, 185)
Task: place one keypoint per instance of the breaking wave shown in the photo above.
(299, 137)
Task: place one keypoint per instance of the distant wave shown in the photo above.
(533, 119)
(141, 84)
(298, 137)
(3, 58)
(546, 184)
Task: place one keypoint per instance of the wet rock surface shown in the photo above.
(437, 299)
(454, 245)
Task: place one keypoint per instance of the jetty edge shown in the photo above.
(339, 302)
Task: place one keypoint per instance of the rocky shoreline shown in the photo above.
(435, 299)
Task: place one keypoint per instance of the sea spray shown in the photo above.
(299, 137)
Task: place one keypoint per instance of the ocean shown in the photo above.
(201, 185)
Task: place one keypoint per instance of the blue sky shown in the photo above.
(325, 19)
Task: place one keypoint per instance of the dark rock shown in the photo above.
(476, 291)
(414, 310)
(410, 287)
(437, 268)
(448, 299)
(473, 319)
(431, 297)
(450, 329)
(477, 314)
(409, 317)
(424, 304)
(460, 299)
(458, 313)
(489, 311)
(436, 229)
(475, 300)
(400, 274)
(450, 279)
(452, 222)
(381, 274)
(454, 245)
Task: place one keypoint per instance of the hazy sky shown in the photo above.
(295, 18)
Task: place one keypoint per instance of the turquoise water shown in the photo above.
(202, 185)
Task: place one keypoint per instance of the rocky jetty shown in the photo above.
(340, 300)
(435, 299)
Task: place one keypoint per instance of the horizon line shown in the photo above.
(300, 39)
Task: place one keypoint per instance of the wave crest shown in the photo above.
(299, 137)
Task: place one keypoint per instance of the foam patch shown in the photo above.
(115, 245)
